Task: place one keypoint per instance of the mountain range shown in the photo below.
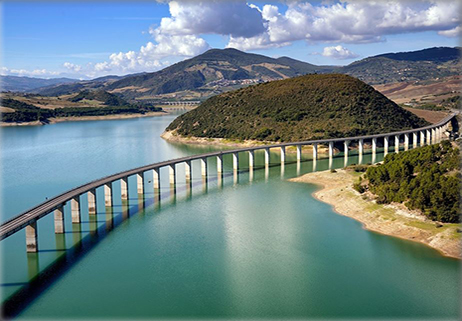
(221, 70)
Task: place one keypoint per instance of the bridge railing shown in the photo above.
(426, 135)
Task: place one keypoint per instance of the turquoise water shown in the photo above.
(252, 245)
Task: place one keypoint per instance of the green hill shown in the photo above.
(301, 108)
(103, 96)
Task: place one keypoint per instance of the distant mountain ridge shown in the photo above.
(418, 65)
(221, 70)
(24, 84)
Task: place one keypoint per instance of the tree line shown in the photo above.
(25, 112)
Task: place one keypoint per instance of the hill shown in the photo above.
(23, 84)
(432, 63)
(301, 108)
(102, 96)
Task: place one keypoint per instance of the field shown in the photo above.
(422, 92)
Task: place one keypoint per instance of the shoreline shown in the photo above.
(84, 118)
(388, 219)
(226, 142)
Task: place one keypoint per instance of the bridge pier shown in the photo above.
(75, 209)
(414, 140)
(406, 141)
(187, 170)
(91, 195)
(361, 150)
(251, 159)
(124, 188)
(386, 142)
(172, 175)
(374, 149)
(428, 137)
(140, 183)
(267, 156)
(31, 238)
(108, 194)
(422, 138)
(396, 143)
(299, 153)
(315, 151)
(433, 134)
(331, 153)
(204, 167)
(345, 151)
(220, 165)
(156, 178)
(59, 220)
(283, 154)
(235, 161)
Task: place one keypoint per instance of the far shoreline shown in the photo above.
(84, 118)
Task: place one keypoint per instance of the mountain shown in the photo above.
(23, 84)
(418, 65)
(212, 72)
(307, 107)
(221, 70)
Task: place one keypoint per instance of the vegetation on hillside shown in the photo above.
(103, 96)
(426, 178)
(301, 108)
(26, 112)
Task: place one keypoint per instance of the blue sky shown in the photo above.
(53, 39)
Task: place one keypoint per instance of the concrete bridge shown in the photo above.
(417, 137)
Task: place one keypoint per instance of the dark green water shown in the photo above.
(250, 246)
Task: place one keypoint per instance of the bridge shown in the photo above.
(431, 134)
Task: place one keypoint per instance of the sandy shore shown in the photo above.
(84, 118)
(393, 219)
(168, 136)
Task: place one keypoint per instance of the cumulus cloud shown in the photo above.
(338, 52)
(234, 18)
(355, 22)
(451, 33)
(72, 67)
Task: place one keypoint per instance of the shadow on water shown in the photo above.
(114, 216)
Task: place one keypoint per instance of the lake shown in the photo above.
(248, 246)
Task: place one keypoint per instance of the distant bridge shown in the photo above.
(419, 137)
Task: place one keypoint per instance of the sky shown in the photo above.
(92, 39)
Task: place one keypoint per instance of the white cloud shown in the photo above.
(338, 52)
(455, 32)
(72, 67)
(234, 18)
(23, 72)
(355, 22)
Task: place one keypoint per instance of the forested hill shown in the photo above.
(426, 178)
(300, 108)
